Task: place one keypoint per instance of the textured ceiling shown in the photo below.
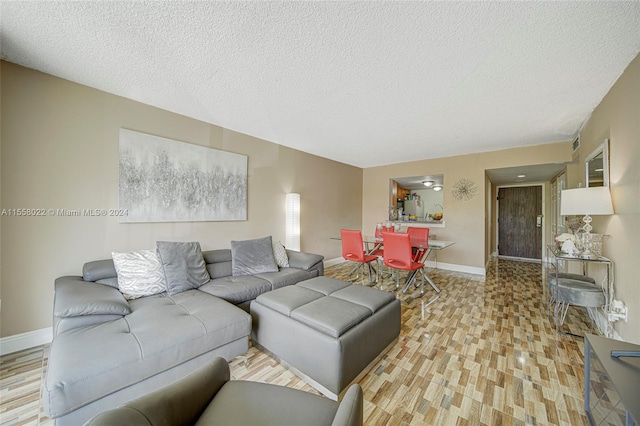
(363, 83)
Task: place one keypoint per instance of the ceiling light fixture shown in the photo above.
(437, 187)
(521, 176)
(427, 183)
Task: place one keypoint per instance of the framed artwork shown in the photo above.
(164, 180)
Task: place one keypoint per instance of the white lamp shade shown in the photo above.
(292, 227)
(586, 201)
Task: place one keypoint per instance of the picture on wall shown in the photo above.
(164, 180)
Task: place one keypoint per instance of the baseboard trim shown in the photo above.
(462, 268)
(604, 326)
(19, 342)
(333, 262)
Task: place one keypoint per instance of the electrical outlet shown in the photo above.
(618, 311)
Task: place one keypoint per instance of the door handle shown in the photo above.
(539, 221)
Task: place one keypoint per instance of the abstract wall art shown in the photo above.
(164, 180)
(464, 190)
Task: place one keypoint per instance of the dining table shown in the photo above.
(423, 249)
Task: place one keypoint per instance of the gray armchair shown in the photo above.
(208, 397)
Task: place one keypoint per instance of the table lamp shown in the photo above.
(586, 201)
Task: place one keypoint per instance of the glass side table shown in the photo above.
(611, 384)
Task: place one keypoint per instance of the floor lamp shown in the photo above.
(586, 201)
(292, 230)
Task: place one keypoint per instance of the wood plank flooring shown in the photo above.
(484, 353)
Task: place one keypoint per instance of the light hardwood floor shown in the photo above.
(485, 353)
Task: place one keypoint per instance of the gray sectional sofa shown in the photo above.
(108, 350)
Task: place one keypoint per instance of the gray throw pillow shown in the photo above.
(280, 253)
(252, 257)
(183, 265)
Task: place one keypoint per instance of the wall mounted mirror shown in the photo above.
(597, 166)
(418, 196)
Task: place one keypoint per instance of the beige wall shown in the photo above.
(465, 220)
(617, 118)
(59, 144)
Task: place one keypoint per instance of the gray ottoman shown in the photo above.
(329, 332)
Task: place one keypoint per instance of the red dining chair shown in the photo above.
(398, 255)
(353, 250)
(423, 235)
(379, 249)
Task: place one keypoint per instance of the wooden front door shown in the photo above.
(520, 222)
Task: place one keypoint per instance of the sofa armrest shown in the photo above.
(75, 297)
(306, 261)
(350, 411)
(180, 403)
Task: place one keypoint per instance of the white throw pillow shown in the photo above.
(140, 273)
(280, 254)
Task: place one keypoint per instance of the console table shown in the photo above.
(579, 284)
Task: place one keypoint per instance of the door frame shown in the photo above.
(544, 221)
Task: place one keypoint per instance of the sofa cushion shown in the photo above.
(287, 276)
(75, 297)
(330, 315)
(251, 257)
(285, 300)
(302, 260)
(183, 265)
(140, 273)
(218, 262)
(162, 332)
(98, 270)
(324, 285)
(236, 289)
(111, 281)
(373, 300)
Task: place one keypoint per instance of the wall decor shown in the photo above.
(464, 190)
(597, 166)
(164, 180)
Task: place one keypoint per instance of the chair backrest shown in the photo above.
(352, 245)
(419, 234)
(379, 231)
(397, 250)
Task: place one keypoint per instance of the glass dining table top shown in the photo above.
(416, 241)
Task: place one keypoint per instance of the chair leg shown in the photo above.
(355, 269)
(381, 271)
(369, 269)
(411, 276)
(564, 314)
